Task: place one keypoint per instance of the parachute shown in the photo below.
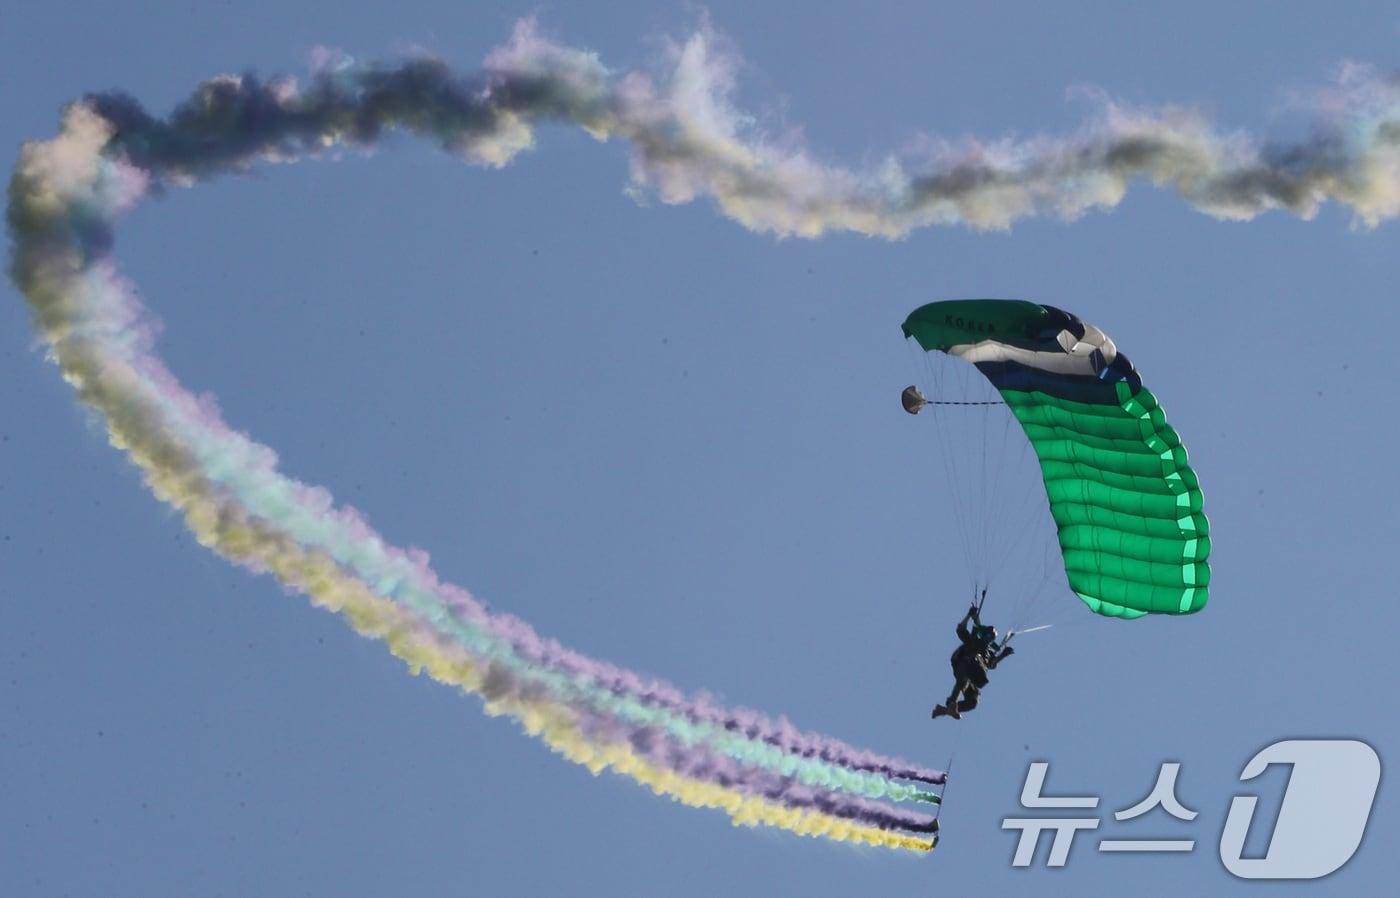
(1126, 504)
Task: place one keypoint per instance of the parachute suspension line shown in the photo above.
(1006, 507)
(992, 481)
(983, 506)
(992, 511)
(1016, 510)
(999, 508)
(1023, 511)
(948, 457)
(993, 515)
(986, 503)
(978, 500)
(1031, 601)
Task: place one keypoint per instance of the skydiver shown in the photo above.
(976, 654)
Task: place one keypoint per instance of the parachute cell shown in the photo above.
(1126, 504)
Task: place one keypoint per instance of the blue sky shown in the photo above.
(675, 444)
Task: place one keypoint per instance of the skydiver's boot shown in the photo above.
(938, 711)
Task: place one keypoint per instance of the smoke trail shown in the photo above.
(234, 462)
(689, 141)
(64, 196)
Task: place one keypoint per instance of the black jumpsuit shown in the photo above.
(970, 661)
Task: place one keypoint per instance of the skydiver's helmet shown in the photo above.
(984, 634)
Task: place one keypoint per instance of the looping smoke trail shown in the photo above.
(64, 199)
(688, 141)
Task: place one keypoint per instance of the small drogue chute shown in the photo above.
(912, 400)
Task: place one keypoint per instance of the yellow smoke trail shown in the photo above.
(58, 288)
(226, 529)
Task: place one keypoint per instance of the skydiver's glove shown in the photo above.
(1007, 651)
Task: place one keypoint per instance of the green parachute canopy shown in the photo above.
(1127, 505)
